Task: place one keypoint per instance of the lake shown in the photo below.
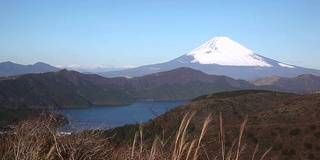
(104, 117)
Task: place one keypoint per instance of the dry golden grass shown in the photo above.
(38, 138)
(184, 147)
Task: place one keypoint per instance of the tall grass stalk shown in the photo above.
(265, 153)
(180, 139)
(141, 140)
(235, 155)
(222, 137)
(239, 149)
(203, 132)
(255, 151)
(134, 144)
(192, 144)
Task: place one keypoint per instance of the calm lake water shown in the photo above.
(103, 117)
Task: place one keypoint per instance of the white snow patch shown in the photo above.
(126, 66)
(154, 68)
(224, 51)
(59, 66)
(74, 66)
(285, 65)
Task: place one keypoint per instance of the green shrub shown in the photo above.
(190, 128)
(120, 134)
(277, 147)
(317, 134)
(308, 145)
(287, 152)
(292, 151)
(313, 127)
(255, 140)
(310, 156)
(294, 132)
(250, 135)
(273, 134)
(158, 128)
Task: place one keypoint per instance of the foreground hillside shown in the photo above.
(288, 123)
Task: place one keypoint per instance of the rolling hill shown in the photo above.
(300, 84)
(180, 84)
(59, 89)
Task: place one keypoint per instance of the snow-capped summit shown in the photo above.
(222, 56)
(224, 51)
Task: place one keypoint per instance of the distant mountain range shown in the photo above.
(218, 56)
(9, 68)
(221, 56)
(68, 89)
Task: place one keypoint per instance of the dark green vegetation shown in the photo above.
(60, 89)
(14, 116)
(65, 89)
(288, 123)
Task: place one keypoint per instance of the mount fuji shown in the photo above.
(221, 56)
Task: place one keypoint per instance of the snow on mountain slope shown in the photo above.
(286, 65)
(224, 51)
(221, 56)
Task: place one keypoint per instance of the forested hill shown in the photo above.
(73, 89)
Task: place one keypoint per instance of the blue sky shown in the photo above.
(141, 32)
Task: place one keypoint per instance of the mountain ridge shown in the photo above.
(65, 89)
(297, 84)
(9, 68)
(69, 89)
(208, 54)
